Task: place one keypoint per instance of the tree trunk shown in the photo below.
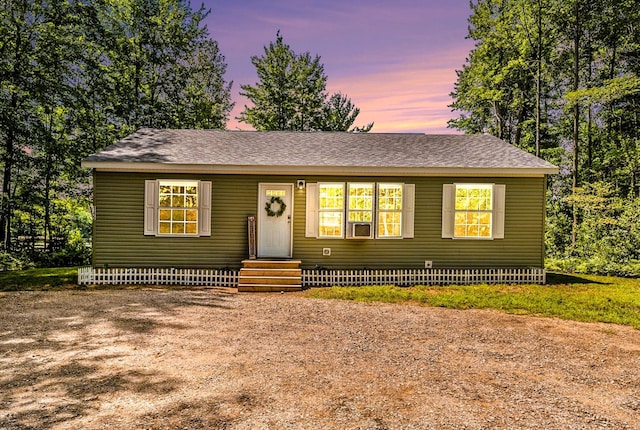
(589, 166)
(48, 242)
(499, 120)
(518, 134)
(590, 141)
(634, 164)
(7, 204)
(538, 77)
(576, 119)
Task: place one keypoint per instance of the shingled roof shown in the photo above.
(282, 152)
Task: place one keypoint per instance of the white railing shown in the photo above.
(158, 276)
(409, 277)
(313, 277)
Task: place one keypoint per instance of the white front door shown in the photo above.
(275, 216)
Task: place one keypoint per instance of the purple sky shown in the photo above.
(396, 60)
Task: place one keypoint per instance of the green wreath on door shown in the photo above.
(270, 211)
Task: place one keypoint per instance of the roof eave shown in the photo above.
(118, 166)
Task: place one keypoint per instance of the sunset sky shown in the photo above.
(396, 60)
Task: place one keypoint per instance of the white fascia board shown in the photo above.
(106, 166)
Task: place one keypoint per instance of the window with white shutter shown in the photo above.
(333, 210)
(473, 211)
(177, 208)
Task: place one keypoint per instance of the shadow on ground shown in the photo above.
(565, 278)
(58, 357)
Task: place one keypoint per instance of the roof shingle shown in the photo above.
(321, 150)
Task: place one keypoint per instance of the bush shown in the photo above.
(11, 262)
(595, 266)
(76, 252)
(608, 237)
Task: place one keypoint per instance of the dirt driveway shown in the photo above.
(216, 359)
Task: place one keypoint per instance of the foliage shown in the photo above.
(10, 262)
(76, 251)
(561, 79)
(339, 114)
(494, 89)
(291, 94)
(162, 67)
(585, 298)
(75, 77)
(608, 239)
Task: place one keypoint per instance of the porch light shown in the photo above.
(301, 184)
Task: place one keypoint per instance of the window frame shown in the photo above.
(152, 207)
(342, 210)
(400, 211)
(375, 211)
(490, 211)
(173, 183)
(349, 211)
(498, 202)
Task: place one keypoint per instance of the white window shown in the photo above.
(473, 211)
(390, 210)
(360, 202)
(360, 210)
(177, 208)
(387, 207)
(330, 210)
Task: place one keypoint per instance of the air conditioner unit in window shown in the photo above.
(361, 230)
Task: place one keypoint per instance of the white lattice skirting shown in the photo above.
(314, 277)
(158, 276)
(409, 277)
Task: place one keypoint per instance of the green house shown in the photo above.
(328, 201)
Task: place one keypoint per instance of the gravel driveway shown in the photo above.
(216, 359)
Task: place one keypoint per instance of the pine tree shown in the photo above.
(290, 94)
(339, 114)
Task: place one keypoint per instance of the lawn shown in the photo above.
(39, 279)
(580, 298)
(585, 298)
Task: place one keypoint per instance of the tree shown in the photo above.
(339, 114)
(37, 45)
(198, 96)
(161, 66)
(290, 94)
(582, 58)
(495, 90)
(76, 76)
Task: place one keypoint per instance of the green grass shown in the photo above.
(39, 279)
(585, 298)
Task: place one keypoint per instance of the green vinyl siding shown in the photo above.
(118, 231)
(523, 245)
(119, 239)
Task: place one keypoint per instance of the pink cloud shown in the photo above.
(395, 61)
(401, 97)
(409, 97)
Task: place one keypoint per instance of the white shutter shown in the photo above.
(448, 204)
(150, 207)
(499, 193)
(311, 226)
(408, 210)
(204, 220)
